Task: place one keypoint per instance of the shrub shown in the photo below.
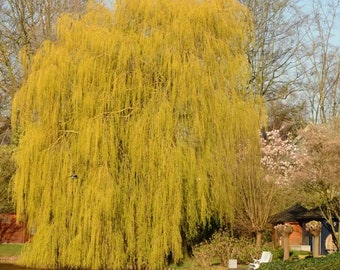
(225, 247)
(246, 251)
(330, 262)
(277, 252)
(203, 253)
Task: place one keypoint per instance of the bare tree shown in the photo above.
(321, 67)
(288, 117)
(272, 54)
(258, 191)
(24, 25)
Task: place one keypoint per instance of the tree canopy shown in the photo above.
(132, 127)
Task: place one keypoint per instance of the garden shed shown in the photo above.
(301, 239)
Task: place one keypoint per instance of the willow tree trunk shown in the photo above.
(129, 128)
(258, 238)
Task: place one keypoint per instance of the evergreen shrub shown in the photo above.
(330, 262)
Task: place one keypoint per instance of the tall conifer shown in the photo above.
(131, 125)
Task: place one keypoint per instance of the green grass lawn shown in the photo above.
(8, 250)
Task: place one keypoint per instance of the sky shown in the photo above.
(335, 40)
(336, 37)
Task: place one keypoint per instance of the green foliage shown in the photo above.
(298, 254)
(330, 262)
(7, 169)
(224, 247)
(147, 105)
(278, 253)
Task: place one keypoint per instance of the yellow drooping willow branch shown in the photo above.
(130, 125)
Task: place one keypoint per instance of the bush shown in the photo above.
(224, 247)
(203, 253)
(330, 262)
(277, 252)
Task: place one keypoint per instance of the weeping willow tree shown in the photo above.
(129, 128)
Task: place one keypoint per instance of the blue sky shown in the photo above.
(336, 38)
(336, 32)
(306, 4)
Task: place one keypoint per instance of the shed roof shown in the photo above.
(296, 213)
